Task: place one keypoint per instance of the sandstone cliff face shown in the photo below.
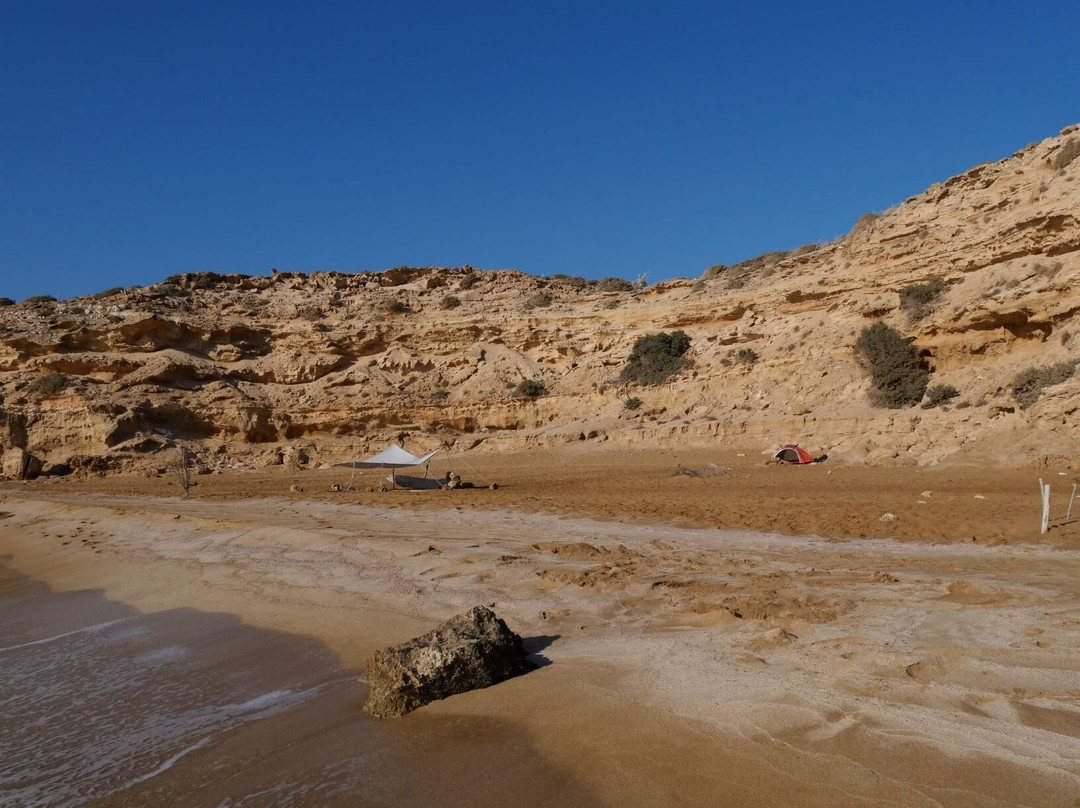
(236, 365)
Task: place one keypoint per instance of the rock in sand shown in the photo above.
(467, 652)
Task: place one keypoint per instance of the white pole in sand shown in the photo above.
(1068, 513)
(1046, 507)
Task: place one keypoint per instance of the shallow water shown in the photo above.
(102, 705)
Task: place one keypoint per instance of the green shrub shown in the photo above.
(6, 301)
(633, 404)
(918, 299)
(938, 394)
(48, 385)
(1029, 384)
(40, 299)
(899, 376)
(746, 356)
(531, 388)
(451, 302)
(614, 285)
(657, 357)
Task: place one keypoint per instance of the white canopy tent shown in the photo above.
(392, 457)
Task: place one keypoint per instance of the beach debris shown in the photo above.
(470, 651)
(294, 488)
(887, 517)
(708, 470)
(926, 494)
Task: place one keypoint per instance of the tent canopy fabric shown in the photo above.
(392, 457)
(793, 453)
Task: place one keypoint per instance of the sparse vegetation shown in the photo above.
(1029, 384)
(761, 266)
(108, 293)
(451, 302)
(865, 222)
(538, 300)
(899, 376)
(531, 388)
(746, 356)
(657, 357)
(48, 385)
(573, 281)
(40, 299)
(919, 298)
(181, 469)
(469, 280)
(938, 394)
(614, 285)
(6, 301)
(398, 307)
(309, 311)
(633, 404)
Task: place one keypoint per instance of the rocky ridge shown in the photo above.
(329, 364)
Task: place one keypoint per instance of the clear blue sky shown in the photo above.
(140, 139)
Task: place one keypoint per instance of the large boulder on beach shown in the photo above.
(467, 652)
(19, 464)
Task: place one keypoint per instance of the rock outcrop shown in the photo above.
(18, 464)
(337, 364)
(467, 652)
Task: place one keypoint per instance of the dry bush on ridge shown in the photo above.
(1028, 385)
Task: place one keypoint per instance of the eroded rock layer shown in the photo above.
(333, 363)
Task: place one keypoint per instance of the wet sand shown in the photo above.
(687, 664)
(105, 706)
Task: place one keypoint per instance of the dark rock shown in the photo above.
(467, 652)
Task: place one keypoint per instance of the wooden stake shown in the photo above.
(1046, 508)
(1068, 514)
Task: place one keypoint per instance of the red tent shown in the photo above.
(793, 453)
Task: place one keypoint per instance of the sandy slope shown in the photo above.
(688, 665)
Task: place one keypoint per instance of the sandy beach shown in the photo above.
(746, 636)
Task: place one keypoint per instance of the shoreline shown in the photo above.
(875, 662)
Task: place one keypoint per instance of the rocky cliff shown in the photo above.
(238, 367)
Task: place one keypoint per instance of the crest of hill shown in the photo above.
(238, 366)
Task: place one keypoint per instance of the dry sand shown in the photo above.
(688, 664)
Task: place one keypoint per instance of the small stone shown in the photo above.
(887, 517)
